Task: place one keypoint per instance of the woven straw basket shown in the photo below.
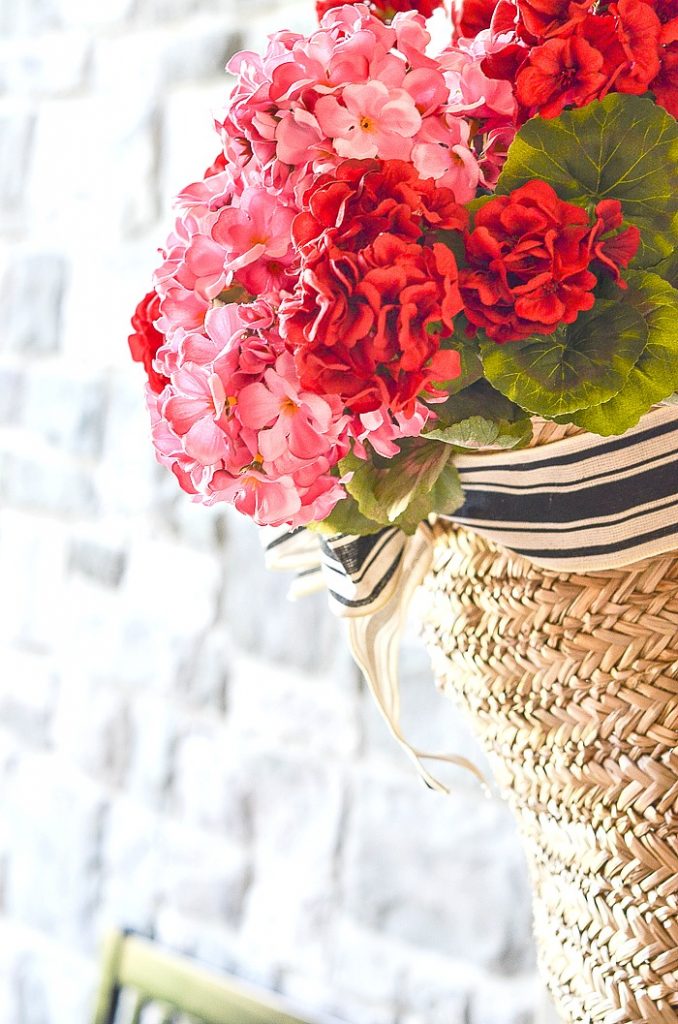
(572, 684)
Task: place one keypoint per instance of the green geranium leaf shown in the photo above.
(403, 490)
(668, 268)
(480, 417)
(346, 517)
(479, 399)
(478, 432)
(579, 366)
(655, 375)
(623, 147)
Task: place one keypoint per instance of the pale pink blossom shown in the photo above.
(194, 411)
(372, 120)
(268, 502)
(454, 166)
(293, 426)
(254, 239)
(382, 429)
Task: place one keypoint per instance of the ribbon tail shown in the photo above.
(375, 638)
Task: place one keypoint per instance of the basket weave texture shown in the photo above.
(572, 684)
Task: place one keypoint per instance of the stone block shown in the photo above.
(47, 481)
(153, 732)
(437, 990)
(130, 858)
(278, 709)
(46, 982)
(31, 295)
(28, 688)
(22, 17)
(161, 11)
(92, 727)
(506, 1001)
(44, 64)
(143, 632)
(80, 13)
(17, 130)
(127, 443)
(66, 409)
(365, 964)
(437, 874)
(297, 807)
(12, 383)
(202, 874)
(202, 678)
(159, 59)
(300, 635)
(53, 873)
(32, 565)
(209, 787)
(93, 558)
(76, 141)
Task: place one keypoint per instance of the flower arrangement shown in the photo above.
(397, 256)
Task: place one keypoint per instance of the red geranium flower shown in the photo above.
(529, 258)
(559, 73)
(545, 18)
(472, 17)
(376, 292)
(385, 10)
(665, 85)
(145, 340)
(610, 246)
(364, 198)
(637, 29)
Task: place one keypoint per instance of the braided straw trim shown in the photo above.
(572, 683)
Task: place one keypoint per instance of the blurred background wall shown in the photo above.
(181, 750)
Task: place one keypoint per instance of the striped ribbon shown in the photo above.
(582, 504)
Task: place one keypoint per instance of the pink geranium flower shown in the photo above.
(382, 429)
(268, 502)
(194, 411)
(254, 238)
(371, 121)
(289, 422)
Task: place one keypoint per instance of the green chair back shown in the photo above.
(178, 989)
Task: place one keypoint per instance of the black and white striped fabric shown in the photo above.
(580, 504)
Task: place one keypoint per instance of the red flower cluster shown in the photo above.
(146, 339)
(568, 52)
(376, 293)
(529, 261)
(385, 10)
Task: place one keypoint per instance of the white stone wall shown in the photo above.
(181, 750)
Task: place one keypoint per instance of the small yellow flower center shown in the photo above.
(289, 407)
(367, 124)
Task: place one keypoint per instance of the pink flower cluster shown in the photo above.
(234, 424)
(232, 420)
(357, 88)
